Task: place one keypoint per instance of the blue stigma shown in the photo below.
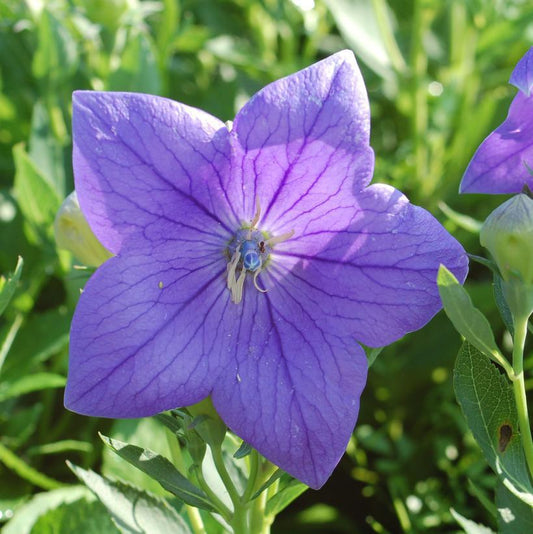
(251, 257)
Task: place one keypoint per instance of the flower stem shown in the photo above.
(259, 521)
(239, 519)
(519, 389)
(193, 513)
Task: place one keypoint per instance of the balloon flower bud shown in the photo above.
(73, 233)
(508, 235)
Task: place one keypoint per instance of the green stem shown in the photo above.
(223, 510)
(259, 521)
(519, 389)
(254, 469)
(385, 29)
(239, 521)
(193, 513)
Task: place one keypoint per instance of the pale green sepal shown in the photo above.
(467, 319)
(133, 510)
(9, 285)
(160, 469)
(73, 233)
(486, 398)
(207, 422)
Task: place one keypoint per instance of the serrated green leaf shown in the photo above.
(26, 515)
(9, 285)
(486, 398)
(466, 318)
(469, 526)
(87, 517)
(290, 491)
(133, 510)
(160, 469)
(514, 515)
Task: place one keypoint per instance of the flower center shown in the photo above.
(249, 251)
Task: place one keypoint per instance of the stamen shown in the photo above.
(279, 239)
(231, 267)
(239, 284)
(256, 274)
(257, 214)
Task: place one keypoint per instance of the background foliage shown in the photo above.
(436, 74)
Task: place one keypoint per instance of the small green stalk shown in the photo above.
(193, 513)
(519, 389)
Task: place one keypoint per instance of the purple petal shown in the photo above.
(146, 166)
(377, 279)
(503, 161)
(303, 144)
(522, 75)
(145, 335)
(292, 390)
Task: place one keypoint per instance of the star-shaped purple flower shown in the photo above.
(503, 163)
(250, 260)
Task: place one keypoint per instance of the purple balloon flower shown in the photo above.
(249, 261)
(503, 163)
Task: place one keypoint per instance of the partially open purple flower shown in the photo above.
(503, 163)
(249, 262)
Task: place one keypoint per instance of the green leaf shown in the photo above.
(88, 517)
(56, 56)
(9, 285)
(291, 490)
(359, 26)
(278, 473)
(27, 515)
(460, 219)
(244, 450)
(466, 318)
(36, 198)
(469, 526)
(514, 515)
(137, 69)
(25, 471)
(486, 398)
(30, 383)
(160, 469)
(141, 432)
(133, 510)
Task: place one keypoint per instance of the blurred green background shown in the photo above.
(436, 74)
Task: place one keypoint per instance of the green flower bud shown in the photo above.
(508, 235)
(73, 233)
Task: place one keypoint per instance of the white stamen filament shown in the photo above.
(279, 239)
(257, 213)
(236, 293)
(256, 274)
(231, 267)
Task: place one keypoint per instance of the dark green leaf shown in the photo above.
(514, 515)
(9, 285)
(487, 401)
(244, 450)
(29, 383)
(160, 469)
